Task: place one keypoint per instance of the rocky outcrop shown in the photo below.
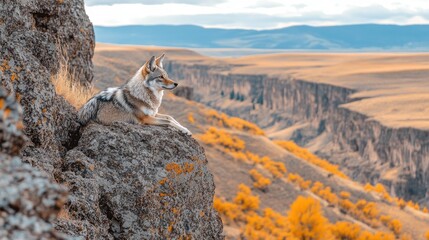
(140, 182)
(35, 37)
(366, 150)
(29, 201)
(125, 181)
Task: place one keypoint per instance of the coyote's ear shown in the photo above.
(159, 60)
(150, 65)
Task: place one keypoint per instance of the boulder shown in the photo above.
(141, 182)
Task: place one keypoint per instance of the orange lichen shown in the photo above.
(163, 181)
(177, 169)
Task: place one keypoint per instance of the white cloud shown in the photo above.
(256, 14)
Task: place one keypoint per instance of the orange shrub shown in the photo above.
(346, 231)
(346, 205)
(395, 226)
(245, 199)
(427, 235)
(275, 168)
(385, 219)
(260, 181)
(310, 157)
(344, 195)
(191, 118)
(230, 210)
(377, 236)
(214, 136)
(271, 225)
(328, 195)
(223, 120)
(306, 220)
(411, 204)
(317, 186)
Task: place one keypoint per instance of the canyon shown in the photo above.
(344, 121)
(314, 114)
(364, 112)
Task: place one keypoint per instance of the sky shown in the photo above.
(256, 14)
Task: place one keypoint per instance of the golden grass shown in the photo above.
(74, 92)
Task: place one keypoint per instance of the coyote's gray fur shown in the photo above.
(137, 101)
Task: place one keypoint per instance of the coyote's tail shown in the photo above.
(88, 111)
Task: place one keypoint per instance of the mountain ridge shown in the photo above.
(376, 37)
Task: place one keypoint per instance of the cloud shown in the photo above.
(151, 2)
(255, 15)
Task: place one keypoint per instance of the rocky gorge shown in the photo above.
(314, 114)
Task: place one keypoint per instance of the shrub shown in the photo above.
(346, 231)
(230, 210)
(223, 120)
(344, 195)
(245, 199)
(395, 226)
(260, 181)
(306, 220)
(310, 157)
(214, 136)
(191, 118)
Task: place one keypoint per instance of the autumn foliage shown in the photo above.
(223, 120)
(215, 137)
(259, 181)
(310, 157)
(306, 220)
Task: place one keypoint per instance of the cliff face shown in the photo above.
(366, 150)
(124, 181)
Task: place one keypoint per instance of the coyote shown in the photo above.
(137, 101)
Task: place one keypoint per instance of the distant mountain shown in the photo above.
(348, 37)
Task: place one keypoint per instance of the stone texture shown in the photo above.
(29, 200)
(125, 181)
(141, 182)
(35, 36)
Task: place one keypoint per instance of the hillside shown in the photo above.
(366, 36)
(276, 172)
(341, 198)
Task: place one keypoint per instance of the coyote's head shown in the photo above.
(155, 76)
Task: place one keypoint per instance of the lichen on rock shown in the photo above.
(122, 176)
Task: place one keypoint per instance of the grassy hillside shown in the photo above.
(262, 185)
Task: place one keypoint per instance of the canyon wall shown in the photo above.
(366, 150)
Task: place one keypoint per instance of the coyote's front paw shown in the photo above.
(186, 131)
